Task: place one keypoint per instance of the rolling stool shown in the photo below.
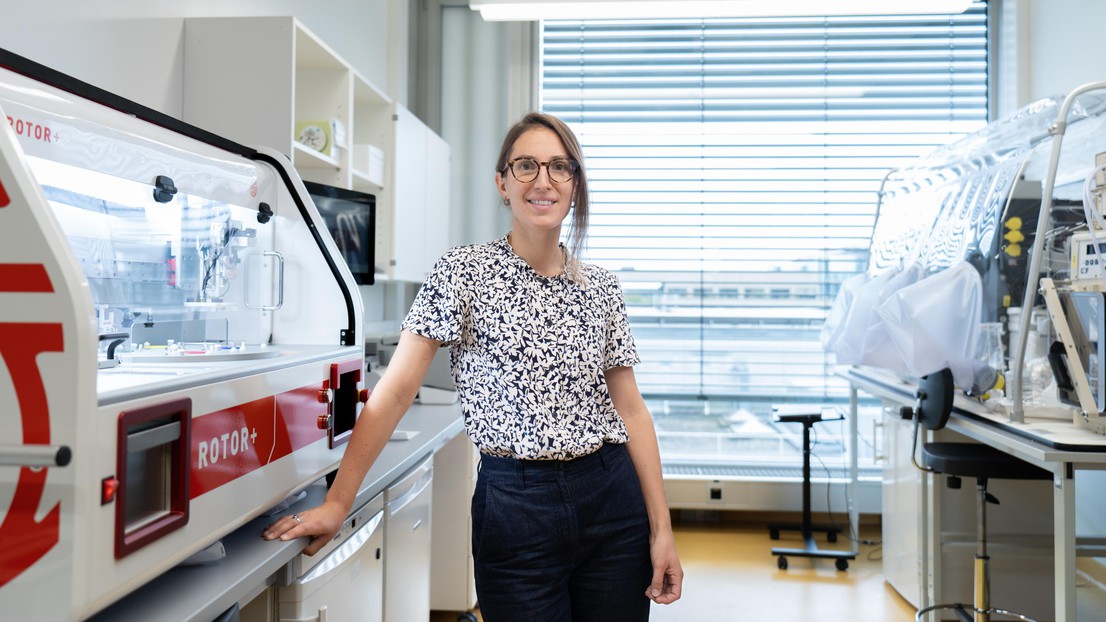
(956, 460)
(808, 419)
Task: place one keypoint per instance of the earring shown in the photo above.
(506, 202)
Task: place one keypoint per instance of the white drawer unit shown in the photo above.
(452, 576)
(344, 580)
(407, 507)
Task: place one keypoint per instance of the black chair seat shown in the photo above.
(978, 461)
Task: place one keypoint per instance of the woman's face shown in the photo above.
(541, 203)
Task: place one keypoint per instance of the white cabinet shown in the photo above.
(1019, 532)
(902, 520)
(452, 575)
(268, 81)
(408, 504)
(344, 580)
(436, 199)
(419, 228)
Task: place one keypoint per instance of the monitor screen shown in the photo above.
(351, 218)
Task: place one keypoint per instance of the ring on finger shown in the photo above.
(298, 519)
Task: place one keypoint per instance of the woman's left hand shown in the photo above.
(668, 575)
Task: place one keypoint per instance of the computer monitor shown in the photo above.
(350, 217)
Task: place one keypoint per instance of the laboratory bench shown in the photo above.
(205, 592)
(1056, 445)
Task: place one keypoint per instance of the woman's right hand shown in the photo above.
(320, 523)
(389, 401)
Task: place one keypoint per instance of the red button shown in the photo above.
(108, 487)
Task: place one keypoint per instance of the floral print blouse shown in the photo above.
(528, 351)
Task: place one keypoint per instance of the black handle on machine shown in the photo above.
(115, 339)
(1057, 360)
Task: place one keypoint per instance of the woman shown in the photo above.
(569, 517)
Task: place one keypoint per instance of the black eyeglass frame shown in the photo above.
(573, 167)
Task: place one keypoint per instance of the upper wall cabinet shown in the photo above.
(418, 232)
(268, 81)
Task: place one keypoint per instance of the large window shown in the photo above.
(734, 167)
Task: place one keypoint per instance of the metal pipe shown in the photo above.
(35, 455)
(1017, 412)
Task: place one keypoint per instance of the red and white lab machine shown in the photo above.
(180, 342)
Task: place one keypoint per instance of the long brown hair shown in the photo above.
(579, 228)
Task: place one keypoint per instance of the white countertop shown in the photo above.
(141, 377)
(1055, 439)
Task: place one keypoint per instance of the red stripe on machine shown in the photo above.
(24, 278)
(25, 537)
(4, 198)
(229, 443)
(300, 410)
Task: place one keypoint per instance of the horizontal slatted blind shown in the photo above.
(734, 166)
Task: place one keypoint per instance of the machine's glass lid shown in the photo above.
(177, 272)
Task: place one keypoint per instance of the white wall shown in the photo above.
(1065, 45)
(475, 117)
(134, 48)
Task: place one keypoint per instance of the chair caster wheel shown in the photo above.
(467, 616)
(842, 564)
(781, 563)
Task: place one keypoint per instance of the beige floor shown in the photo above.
(731, 575)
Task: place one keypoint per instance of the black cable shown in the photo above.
(829, 504)
(227, 237)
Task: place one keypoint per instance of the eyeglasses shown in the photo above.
(526, 169)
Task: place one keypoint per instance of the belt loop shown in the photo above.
(602, 458)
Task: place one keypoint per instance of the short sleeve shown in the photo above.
(620, 350)
(437, 310)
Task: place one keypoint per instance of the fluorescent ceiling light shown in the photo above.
(529, 10)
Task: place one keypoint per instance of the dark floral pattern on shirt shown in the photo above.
(528, 351)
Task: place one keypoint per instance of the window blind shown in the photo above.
(734, 166)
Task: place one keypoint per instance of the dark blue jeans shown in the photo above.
(561, 541)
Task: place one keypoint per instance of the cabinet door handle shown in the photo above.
(407, 497)
(280, 282)
(335, 562)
